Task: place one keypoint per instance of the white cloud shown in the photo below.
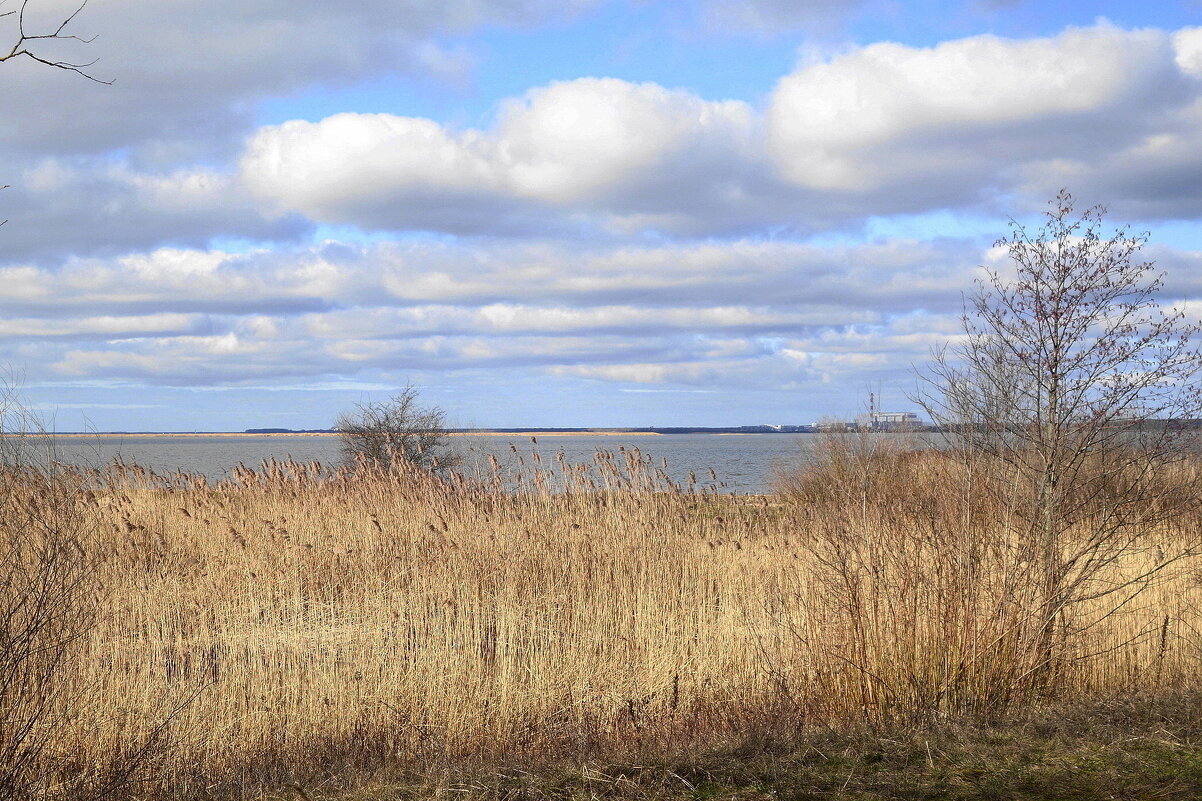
(601, 230)
(1187, 43)
(513, 285)
(581, 140)
(875, 130)
(833, 355)
(347, 163)
(597, 145)
(883, 116)
(105, 326)
(191, 317)
(520, 318)
(643, 373)
(738, 314)
(1157, 176)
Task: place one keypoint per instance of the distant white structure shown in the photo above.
(884, 421)
(875, 420)
(894, 419)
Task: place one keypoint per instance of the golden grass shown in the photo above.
(291, 624)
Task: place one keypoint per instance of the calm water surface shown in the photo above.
(742, 463)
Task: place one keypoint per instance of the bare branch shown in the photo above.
(25, 41)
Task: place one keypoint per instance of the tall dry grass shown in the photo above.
(48, 596)
(296, 626)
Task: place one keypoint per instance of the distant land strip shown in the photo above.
(534, 432)
(1137, 425)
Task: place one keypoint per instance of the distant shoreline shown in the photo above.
(293, 434)
(136, 434)
(481, 433)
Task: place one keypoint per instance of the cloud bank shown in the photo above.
(620, 233)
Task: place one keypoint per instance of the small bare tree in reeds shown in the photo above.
(917, 599)
(397, 431)
(1068, 393)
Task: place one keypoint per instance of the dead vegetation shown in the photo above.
(296, 626)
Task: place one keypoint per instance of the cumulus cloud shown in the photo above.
(869, 131)
(1157, 174)
(513, 285)
(562, 268)
(1187, 43)
(942, 124)
(117, 327)
(875, 130)
(140, 161)
(605, 146)
(584, 140)
(830, 355)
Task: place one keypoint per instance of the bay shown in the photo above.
(740, 463)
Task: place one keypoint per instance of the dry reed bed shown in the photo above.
(333, 625)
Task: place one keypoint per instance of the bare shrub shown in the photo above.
(396, 431)
(855, 467)
(48, 602)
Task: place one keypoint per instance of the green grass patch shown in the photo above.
(1137, 750)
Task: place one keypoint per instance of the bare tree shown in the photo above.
(27, 44)
(397, 431)
(1078, 390)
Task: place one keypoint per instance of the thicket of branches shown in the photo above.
(1071, 390)
(48, 599)
(397, 431)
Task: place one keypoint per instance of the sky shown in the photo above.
(555, 212)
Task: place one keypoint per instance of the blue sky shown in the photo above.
(593, 212)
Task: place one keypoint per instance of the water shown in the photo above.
(743, 463)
